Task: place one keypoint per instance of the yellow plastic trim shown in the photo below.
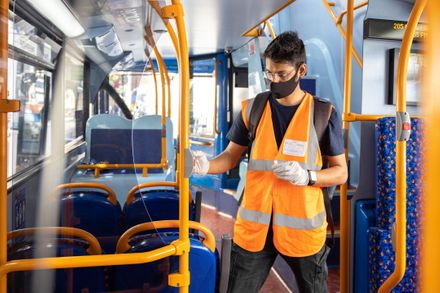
(341, 30)
(131, 197)
(430, 254)
(94, 247)
(245, 34)
(4, 4)
(402, 71)
(7, 106)
(179, 280)
(344, 203)
(172, 11)
(181, 247)
(341, 16)
(111, 196)
(103, 166)
(353, 117)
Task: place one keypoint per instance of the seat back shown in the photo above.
(154, 276)
(380, 238)
(154, 205)
(64, 280)
(93, 212)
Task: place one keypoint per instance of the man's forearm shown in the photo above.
(335, 175)
(222, 163)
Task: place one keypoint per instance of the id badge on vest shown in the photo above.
(295, 148)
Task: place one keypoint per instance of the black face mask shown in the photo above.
(283, 89)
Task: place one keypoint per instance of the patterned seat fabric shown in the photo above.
(380, 247)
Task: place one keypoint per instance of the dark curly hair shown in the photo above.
(287, 47)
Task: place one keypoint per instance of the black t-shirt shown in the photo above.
(332, 143)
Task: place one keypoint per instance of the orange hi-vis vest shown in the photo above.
(299, 217)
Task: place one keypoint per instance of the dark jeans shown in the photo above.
(249, 270)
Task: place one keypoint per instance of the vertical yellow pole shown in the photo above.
(402, 70)
(184, 141)
(269, 26)
(155, 83)
(167, 77)
(430, 257)
(161, 66)
(3, 139)
(344, 203)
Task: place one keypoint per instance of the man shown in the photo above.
(282, 212)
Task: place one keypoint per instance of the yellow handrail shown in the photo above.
(402, 71)
(269, 26)
(111, 196)
(94, 247)
(182, 278)
(104, 166)
(430, 254)
(3, 139)
(124, 246)
(354, 117)
(344, 203)
(341, 16)
(87, 261)
(130, 195)
(341, 30)
(155, 82)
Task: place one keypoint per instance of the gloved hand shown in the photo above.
(292, 172)
(200, 163)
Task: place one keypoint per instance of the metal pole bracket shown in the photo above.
(7, 106)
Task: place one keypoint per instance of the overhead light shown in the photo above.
(60, 15)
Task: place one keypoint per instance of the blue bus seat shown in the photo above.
(93, 212)
(380, 237)
(116, 140)
(154, 205)
(365, 218)
(153, 277)
(65, 280)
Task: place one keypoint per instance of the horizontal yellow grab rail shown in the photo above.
(111, 194)
(201, 143)
(87, 261)
(104, 166)
(124, 246)
(94, 247)
(353, 117)
(131, 197)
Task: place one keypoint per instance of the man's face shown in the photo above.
(279, 72)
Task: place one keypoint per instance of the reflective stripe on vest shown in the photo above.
(255, 216)
(298, 223)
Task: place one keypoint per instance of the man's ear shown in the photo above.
(302, 70)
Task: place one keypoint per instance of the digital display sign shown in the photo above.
(391, 29)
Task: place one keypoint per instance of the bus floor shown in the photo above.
(212, 219)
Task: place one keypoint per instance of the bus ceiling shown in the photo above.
(115, 26)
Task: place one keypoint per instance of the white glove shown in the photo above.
(292, 172)
(200, 163)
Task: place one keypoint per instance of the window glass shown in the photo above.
(23, 36)
(26, 134)
(73, 98)
(202, 97)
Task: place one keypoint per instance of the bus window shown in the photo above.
(202, 93)
(25, 128)
(74, 99)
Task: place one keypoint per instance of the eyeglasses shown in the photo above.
(282, 76)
